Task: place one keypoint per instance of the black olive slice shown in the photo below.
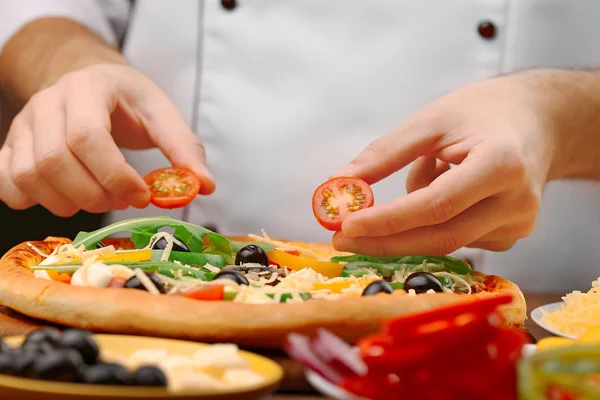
(149, 375)
(60, 365)
(376, 287)
(252, 254)
(105, 374)
(178, 245)
(134, 283)
(23, 363)
(235, 276)
(421, 282)
(82, 342)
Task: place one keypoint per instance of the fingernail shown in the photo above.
(139, 199)
(353, 229)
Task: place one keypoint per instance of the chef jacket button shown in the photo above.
(487, 30)
(229, 4)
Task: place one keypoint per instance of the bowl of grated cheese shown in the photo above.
(575, 315)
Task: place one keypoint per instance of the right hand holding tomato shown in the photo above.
(62, 149)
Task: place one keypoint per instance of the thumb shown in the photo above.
(394, 150)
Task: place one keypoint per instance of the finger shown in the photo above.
(171, 133)
(26, 177)
(9, 192)
(57, 164)
(88, 137)
(395, 150)
(423, 171)
(475, 179)
(441, 239)
(501, 245)
(510, 232)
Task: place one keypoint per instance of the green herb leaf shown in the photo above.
(267, 247)
(193, 259)
(446, 263)
(142, 230)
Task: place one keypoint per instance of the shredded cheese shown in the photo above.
(580, 312)
(144, 280)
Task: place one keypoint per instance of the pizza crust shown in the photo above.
(251, 325)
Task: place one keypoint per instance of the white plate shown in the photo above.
(328, 389)
(537, 316)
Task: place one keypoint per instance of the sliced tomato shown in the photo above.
(337, 198)
(117, 282)
(207, 293)
(296, 263)
(172, 187)
(59, 276)
(119, 243)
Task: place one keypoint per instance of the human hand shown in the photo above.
(502, 144)
(62, 149)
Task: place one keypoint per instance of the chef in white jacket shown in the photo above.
(282, 93)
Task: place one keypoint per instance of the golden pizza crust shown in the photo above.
(253, 325)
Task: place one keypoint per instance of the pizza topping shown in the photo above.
(297, 263)
(176, 244)
(252, 254)
(377, 287)
(235, 276)
(41, 274)
(337, 198)
(94, 274)
(145, 281)
(149, 375)
(172, 187)
(422, 282)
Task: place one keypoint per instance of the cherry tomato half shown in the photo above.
(335, 199)
(172, 187)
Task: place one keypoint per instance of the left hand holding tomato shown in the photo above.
(499, 137)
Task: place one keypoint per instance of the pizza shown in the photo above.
(170, 278)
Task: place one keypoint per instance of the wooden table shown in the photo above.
(294, 386)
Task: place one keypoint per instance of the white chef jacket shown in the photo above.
(285, 92)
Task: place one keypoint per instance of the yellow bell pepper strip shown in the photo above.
(337, 287)
(59, 276)
(134, 256)
(296, 263)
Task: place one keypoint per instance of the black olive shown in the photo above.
(3, 346)
(149, 375)
(38, 348)
(100, 245)
(235, 276)
(377, 287)
(134, 283)
(421, 282)
(23, 362)
(105, 374)
(252, 254)
(48, 335)
(178, 245)
(82, 342)
(60, 365)
(7, 360)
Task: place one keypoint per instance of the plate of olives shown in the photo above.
(75, 364)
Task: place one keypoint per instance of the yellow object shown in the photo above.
(553, 343)
(132, 255)
(296, 263)
(337, 287)
(592, 335)
(15, 387)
